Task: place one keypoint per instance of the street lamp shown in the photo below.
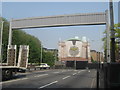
(1, 41)
(112, 31)
(41, 54)
(55, 52)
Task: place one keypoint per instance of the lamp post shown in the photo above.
(112, 32)
(55, 55)
(41, 54)
(1, 31)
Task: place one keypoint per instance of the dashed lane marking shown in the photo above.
(48, 84)
(64, 71)
(79, 72)
(88, 70)
(41, 75)
(74, 73)
(82, 70)
(56, 72)
(92, 83)
(66, 77)
(75, 70)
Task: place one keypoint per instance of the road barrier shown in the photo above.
(81, 64)
(110, 75)
(92, 65)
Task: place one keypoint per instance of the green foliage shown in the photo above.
(22, 38)
(117, 35)
(5, 39)
(117, 30)
(48, 58)
(92, 60)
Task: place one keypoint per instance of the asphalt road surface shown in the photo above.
(54, 78)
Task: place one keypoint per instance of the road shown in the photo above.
(54, 78)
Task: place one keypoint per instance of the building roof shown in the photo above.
(73, 39)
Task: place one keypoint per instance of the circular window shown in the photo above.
(74, 51)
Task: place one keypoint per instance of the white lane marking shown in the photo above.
(13, 80)
(75, 70)
(92, 83)
(36, 72)
(24, 78)
(66, 77)
(56, 72)
(74, 73)
(64, 71)
(41, 75)
(79, 72)
(48, 84)
(82, 70)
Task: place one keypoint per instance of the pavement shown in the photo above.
(53, 78)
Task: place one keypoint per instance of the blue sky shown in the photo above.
(50, 36)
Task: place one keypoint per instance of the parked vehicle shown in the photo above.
(43, 66)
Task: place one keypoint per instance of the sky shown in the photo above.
(51, 36)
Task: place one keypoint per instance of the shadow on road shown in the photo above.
(15, 77)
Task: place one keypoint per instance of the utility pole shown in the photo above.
(112, 32)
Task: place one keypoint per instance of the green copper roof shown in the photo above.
(73, 39)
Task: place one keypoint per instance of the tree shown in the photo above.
(49, 57)
(20, 37)
(5, 40)
(117, 36)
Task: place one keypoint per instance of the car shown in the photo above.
(44, 66)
